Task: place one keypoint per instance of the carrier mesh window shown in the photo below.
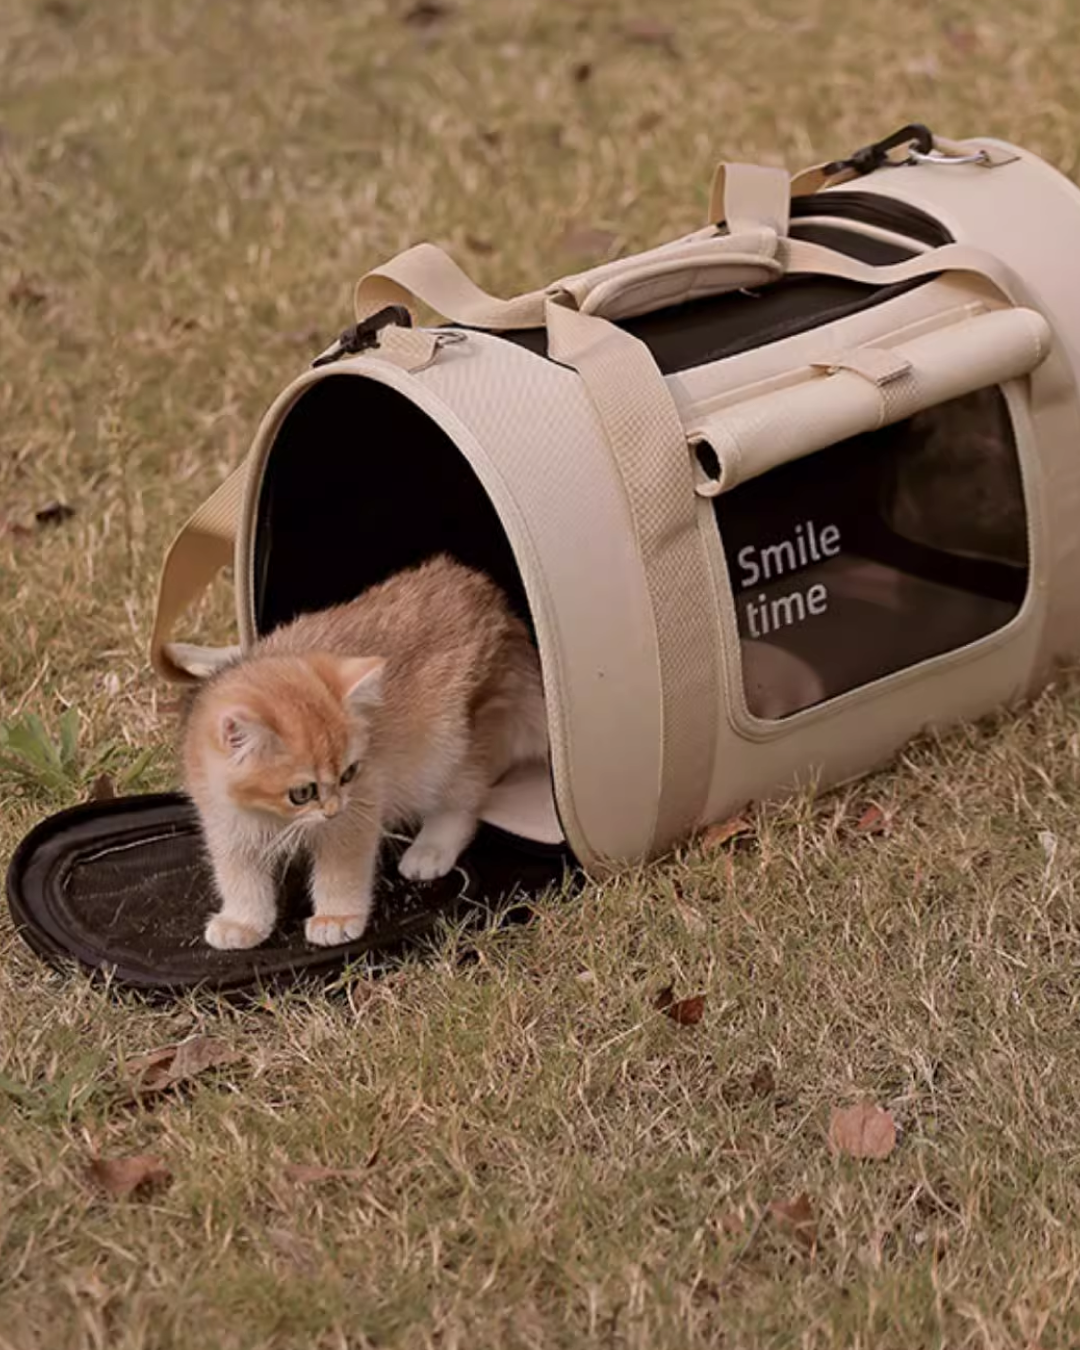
(880, 552)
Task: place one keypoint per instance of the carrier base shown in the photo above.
(123, 889)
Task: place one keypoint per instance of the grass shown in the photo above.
(187, 194)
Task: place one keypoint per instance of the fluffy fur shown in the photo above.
(404, 705)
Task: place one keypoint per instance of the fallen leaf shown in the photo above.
(650, 33)
(309, 1174)
(964, 40)
(125, 1176)
(725, 830)
(62, 10)
(587, 240)
(102, 789)
(796, 1218)
(763, 1080)
(687, 1012)
(872, 821)
(54, 513)
(865, 1130)
(426, 13)
(26, 294)
(171, 1064)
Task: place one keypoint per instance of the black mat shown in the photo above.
(123, 888)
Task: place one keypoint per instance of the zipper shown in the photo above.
(871, 208)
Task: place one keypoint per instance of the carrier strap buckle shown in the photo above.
(871, 157)
(359, 337)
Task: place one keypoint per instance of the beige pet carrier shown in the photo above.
(774, 496)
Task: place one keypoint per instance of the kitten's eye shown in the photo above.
(349, 774)
(306, 792)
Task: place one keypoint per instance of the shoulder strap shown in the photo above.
(200, 550)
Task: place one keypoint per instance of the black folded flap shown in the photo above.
(124, 887)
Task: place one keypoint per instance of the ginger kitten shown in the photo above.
(405, 704)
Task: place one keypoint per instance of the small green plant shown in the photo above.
(54, 764)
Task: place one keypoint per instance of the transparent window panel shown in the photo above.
(877, 553)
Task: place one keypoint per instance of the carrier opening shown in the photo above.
(360, 485)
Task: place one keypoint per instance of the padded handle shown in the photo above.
(692, 268)
(850, 392)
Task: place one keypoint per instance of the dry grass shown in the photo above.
(187, 192)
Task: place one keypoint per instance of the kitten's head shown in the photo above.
(287, 736)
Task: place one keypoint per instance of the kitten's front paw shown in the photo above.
(424, 860)
(228, 935)
(327, 930)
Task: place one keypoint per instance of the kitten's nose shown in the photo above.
(331, 807)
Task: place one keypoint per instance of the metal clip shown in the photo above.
(360, 336)
(872, 157)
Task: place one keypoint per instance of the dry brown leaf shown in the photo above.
(171, 1064)
(26, 294)
(796, 1218)
(872, 821)
(309, 1174)
(725, 830)
(587, 240)
(102, 789)
(687, 1012)
(650, 33)
(864, 1130)
(763, 1081)
(54, 513)
(125, 1176)
(965, 40)
(426, 13)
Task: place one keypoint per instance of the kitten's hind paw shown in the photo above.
(229, 935)
(327, 930)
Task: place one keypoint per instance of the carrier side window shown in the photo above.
(878, 553)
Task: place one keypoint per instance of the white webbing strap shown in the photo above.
(800, 256)
(691, 268)
(425, 273)
(648, 443)
(200, 550)
(748, 196)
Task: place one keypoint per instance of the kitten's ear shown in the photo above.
(362, 681)
(242, 733)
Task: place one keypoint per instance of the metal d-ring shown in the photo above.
(936, 157)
